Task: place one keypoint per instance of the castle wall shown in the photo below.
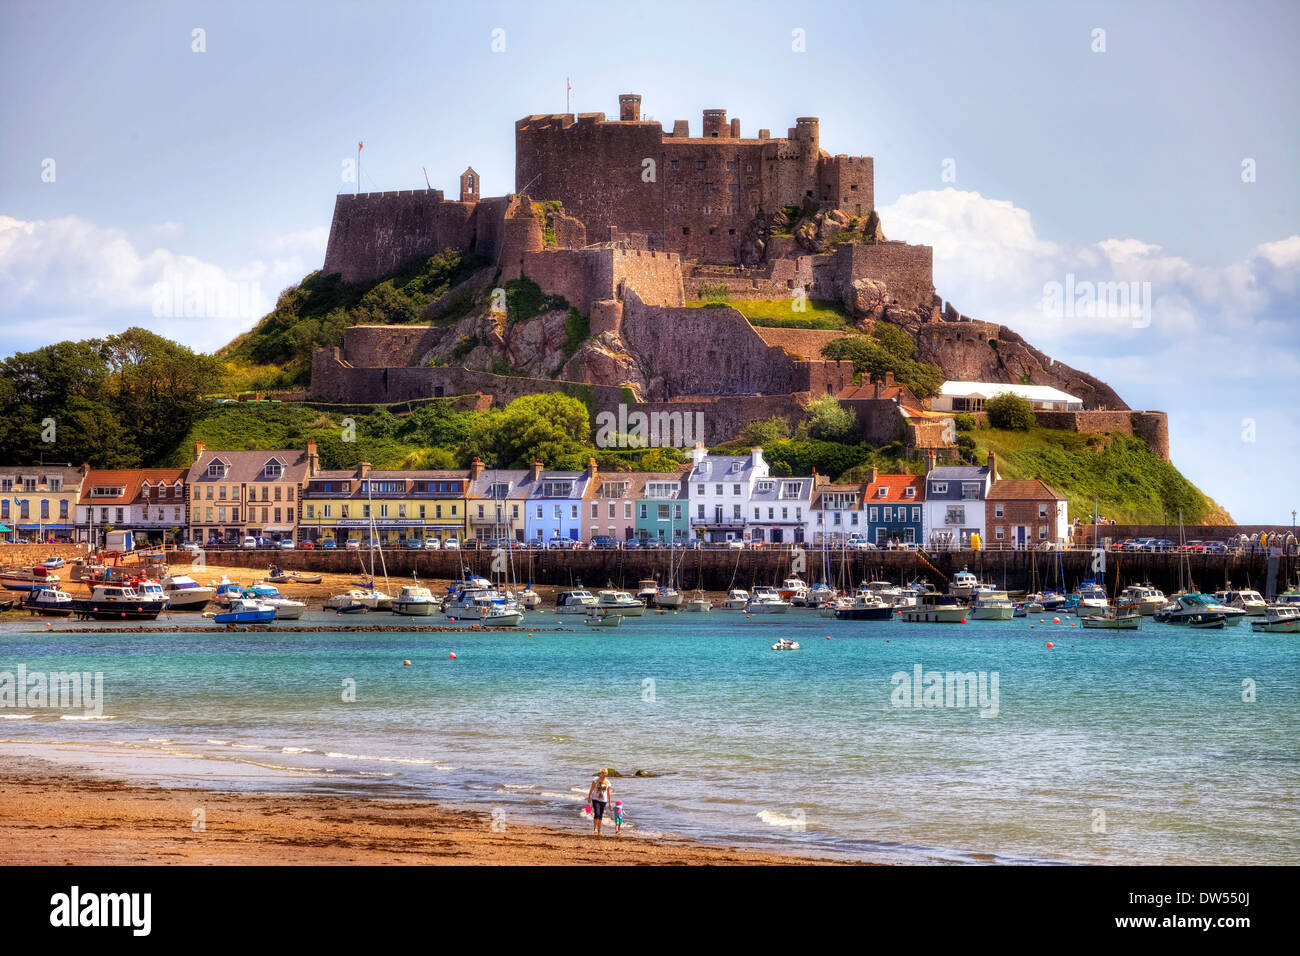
(375, 234)
(656, 276)
(907, 270)
(1151, 427)
(581, 277)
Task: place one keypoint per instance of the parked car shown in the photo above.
(1193, 546)
(352, 544)
(249, 542)
(432, 544)
(451, 544)
(52, 563)
(286, 544)
(562, 543)
(191, 546)
(328, 544)
(603, 541)
(1162, 544)
(1216, 547)
(306, 546)
(736, 544)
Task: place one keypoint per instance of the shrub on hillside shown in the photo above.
(1010, 411)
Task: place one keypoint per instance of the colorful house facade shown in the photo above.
(895, 509)
(953, 514)
(238, 494)
(392, 507)
(1025, 514)
(39, 502)
(662, 509)
(149, 502)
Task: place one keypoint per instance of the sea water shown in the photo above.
(1158, 746)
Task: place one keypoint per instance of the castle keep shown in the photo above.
(628, 222)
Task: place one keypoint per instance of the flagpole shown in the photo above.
(360, 143)
(567, 88)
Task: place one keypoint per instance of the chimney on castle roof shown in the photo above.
(198, 451)
(715, 125)
(629, 107)
(681, 129)
(535, 473)
(735, 129)
(475, 468)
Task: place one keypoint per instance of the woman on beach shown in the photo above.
(599, 796)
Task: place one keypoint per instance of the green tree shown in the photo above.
(1010, 411)
(828, 420)
(761, 434)
(551, 427)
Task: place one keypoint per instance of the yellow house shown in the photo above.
(398, 506)
(39, 502)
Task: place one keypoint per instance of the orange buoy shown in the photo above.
(451, 657)
(1056, 620)
(1049, 644)
(406, 663)
(963, 620)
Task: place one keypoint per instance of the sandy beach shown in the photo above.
(50, 817)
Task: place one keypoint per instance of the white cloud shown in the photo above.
(69, 278)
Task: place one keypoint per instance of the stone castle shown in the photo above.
(627, 222)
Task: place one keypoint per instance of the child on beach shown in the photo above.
(618, 818)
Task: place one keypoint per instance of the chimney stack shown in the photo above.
(591, 469)
(716, 125)
(313, 459)
(363, 471)
(993, 466)
(931, 460)
(873, 474)
(198, 451)
(535, 473)
(475, 468)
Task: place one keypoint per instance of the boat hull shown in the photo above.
(992, 613)
(1124, 622)
(414, 608)
(115, 611)
(864, 613)
(931, 615)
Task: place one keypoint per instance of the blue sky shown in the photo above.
(220, 167)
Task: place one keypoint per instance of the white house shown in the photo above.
(779, 509)
(721, 487)
(954, 506)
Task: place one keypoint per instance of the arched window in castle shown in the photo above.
(469, 183)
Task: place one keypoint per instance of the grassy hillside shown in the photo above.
(1131, 484)
(778, 313)
(276, 353)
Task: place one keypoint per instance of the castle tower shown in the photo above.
(806, 130)
(469, 185)
(716, 125)
(629, 107)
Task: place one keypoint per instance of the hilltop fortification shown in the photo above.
(626, 224)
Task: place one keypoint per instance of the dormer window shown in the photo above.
(882, 491)
(909, 492)
(938, 487)
(273, 469)
(217, 469)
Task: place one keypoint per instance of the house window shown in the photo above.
(273, 469)
(938, 487)
(956, 514)
(997, 532)
(1042, 532)
(613, 509)
(700, 513)
(735, 512)
(595, 510)
(873, 515)
(627, 510)
(916, 514)
(756, 514)
(1042, 511)
(309, 511)
(909, 493)
(643, 510)
(853, 517)
(997, 511)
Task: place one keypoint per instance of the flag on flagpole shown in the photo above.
(359, 146)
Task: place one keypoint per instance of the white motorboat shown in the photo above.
(1090, 599)
(574, 602)
(186, 594)
(699, 603)
(647, 588)
(619, 602)
(1248, 601)
(887, 591)
(1148, 599)
(935, 608)
(286, 609)
(1198, 610)
(964, 585)
(414, 600)
(785, 644)
(371, 599)
(765, 600)
(1279, 619)
(1115, 619)
(595, 617)
(528, 599)
(867, 606)
(817, 595)
(497, 613)
(992, 606)
(737, 600)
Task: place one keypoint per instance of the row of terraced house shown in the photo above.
(226, 497)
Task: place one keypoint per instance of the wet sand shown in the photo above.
(52, 817)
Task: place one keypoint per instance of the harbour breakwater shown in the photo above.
(720, 570)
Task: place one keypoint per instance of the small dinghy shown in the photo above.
(785, 644)
(603, 619)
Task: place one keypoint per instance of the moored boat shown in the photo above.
(867, 606)
(620, 602)
(786, 644)
(1278, 619)
(737, 600)
(185, 594)
(414, 600)
(765, 600)
(992, 606)
(48, 602)
(1115, 619)
(574, 602)
(108, 602)
(29, 579)
(1147, 598)
(245, 611)
(934, 608)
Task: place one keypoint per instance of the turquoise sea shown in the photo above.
(1160, 746)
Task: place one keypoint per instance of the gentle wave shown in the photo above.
(16, 716)
(773, 818)
(87, 717)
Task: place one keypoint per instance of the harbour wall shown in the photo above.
(719, 570)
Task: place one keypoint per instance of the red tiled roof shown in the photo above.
(895, 486)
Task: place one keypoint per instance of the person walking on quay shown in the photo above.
(599, 796)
